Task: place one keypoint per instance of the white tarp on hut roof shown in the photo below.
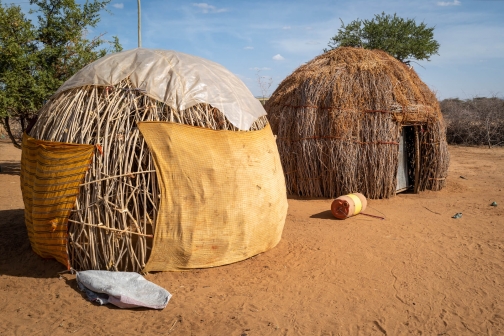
(180, 80)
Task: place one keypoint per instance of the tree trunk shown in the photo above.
(22, 120)
(9, 132)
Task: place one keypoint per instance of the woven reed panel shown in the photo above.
(50, 176)
(223, 196)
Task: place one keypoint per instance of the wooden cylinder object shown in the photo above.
(348, 205)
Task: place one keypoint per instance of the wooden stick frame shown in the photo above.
(120, 189)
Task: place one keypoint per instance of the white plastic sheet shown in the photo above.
(180, 80)
(123, 289)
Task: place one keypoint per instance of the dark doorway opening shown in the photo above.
(406, 159)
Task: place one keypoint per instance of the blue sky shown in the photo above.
(275, 37)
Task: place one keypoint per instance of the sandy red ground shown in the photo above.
(417, 272)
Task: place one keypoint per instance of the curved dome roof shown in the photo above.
(177, 79)
(355, 79)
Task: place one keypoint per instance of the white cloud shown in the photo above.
(119, 5)
(313, 42)
(278, 57)
(206, 8)
(286, 27)
(310, 28)
(448, 3)
(248, 48)
(260, 69)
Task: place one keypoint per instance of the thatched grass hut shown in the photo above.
(342, 118)
(112, 224)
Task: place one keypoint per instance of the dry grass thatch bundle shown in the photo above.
(338, 120)
(112, 224)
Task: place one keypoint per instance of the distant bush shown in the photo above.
(478, 121)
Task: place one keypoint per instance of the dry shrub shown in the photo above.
(479, 121)
(338, 118)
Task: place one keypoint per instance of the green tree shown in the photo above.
(17, 56)
(402, 38)
(36, 59)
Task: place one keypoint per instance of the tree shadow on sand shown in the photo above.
(16, 255)
(10, 167)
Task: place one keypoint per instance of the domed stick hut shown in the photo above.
(341, 118)
(112, 224)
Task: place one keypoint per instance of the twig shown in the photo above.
(379, 217)
(173, 325)
(437, 213)
(101, 226)
(111, 177)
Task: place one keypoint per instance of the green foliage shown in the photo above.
(36, 59)
(17, 56)
(402, 38)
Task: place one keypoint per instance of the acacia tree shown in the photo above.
(402, 38)
(17, 57)
(36, 59)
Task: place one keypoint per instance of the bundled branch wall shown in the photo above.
(338, 119)
(113, 222)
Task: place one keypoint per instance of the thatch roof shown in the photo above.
(338, 120)
(356, 79)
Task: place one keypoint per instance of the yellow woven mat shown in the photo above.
(223, 196)
(50, 176)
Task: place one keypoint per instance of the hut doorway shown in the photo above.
(405, 158)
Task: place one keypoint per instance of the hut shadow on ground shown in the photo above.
(10, 168)
(16, 255)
